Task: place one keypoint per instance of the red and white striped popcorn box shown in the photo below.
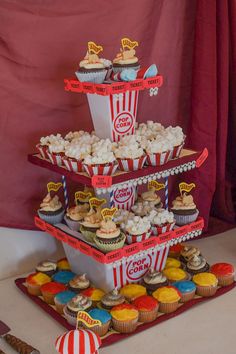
(42, 149)
(137, 238)
(107, 169)
(72, 165)
(56, 159)
(132, 164)
(176, 151)
(157, 229)
(158, 159)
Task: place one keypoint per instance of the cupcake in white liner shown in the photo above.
(51, 210)
(176, 137)
(74, 215)
(75, 152)
(130, 155)
(162, 221)
(56, 151)
(125, 59)
(158, 151)
(102, 160)
(184, 209)
(76, 304)
(137, 229)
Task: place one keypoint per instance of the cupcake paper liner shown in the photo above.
(225, 280)
(118, 69)
(131, 164)
(72, 165)
(185, 219)
(187, 296)
(168, 307)
(55, 159)
(42, 149)
(157, 229)
(158, 159)
(148, 316)
(88, 235)
(176, 151)
(59, 306)
(107, 169)
(96, 77)
(48, 298)
(33, 289)
(52, 219)
(73, 225)
(108, 247)
(125, 326)
(206, 291)
(70, 318)
(100, 330)
(137, 238)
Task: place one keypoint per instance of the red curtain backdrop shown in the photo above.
(192, 43)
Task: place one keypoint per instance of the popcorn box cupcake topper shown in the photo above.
(82, 196)
(155, 185)
(185, 187)
(108, 213)
(51, 186)
(86, 319)
(96, 203)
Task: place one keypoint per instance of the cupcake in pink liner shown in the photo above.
(158, 151)
(102, 160)
(129, 154)
(74, 215)
(56, 151)
(176, 137)
(137, 229)
(44, 143)
(162, 221)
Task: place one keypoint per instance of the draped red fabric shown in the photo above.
(42, 42)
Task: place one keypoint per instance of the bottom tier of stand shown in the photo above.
(113, 336)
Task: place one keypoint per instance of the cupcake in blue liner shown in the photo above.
(187, 289)
(61, 299)
(51, 210)
(63, 277)
(184, 209)
(104, 317)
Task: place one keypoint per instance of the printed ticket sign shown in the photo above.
(82, 196)
(86, 319)
(99, 181)
(95, 202)
(108, 213)
(51, 186)
(185, 187)
(155, 185)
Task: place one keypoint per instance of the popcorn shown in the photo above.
(121, 216)
(149, 130)
(78, 150)
(142, 208)
(158, 145)
(74, 135)
(128, 148)
(138, 225)
(161, 217)
(101, 153)
(58, 146)
(50, 139)
(175, 135)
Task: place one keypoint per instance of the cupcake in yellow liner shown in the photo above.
(34, 282)
(187, 252)
(206, 284)
(172, 263)
(111, 299)
(147, 307)
(63, 264)
(51, 210)
(90, 224)
(79, 283)
(126, 58)
(94, 294)
(175, 274)
(124, 318)
(77, 303)
(132, 291)
(74, 215)
(153, 280)
(109, 237)
(47, 267)
(152, 197)
(184, 209)
(168, 298)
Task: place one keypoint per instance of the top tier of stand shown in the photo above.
(111, 88)
(188, 160)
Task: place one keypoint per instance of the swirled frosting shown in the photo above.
(154, 277)
(79, 303)
(92, 61)
(50, 204)
(93, 218)
(77, 212)
(183, 202)
(113, 298)
(46, 266)
(189, 251)
(80, 282)
(151, 196)
(142, 208)
(196, 262)
(125, 57)
(108, 229)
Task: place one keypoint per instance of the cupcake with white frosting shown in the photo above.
(129, 154)
(162, 221)
(47, 267)
(137, 229)
(152, 197)
(51, 210)
(111, 299)
(76, 304)
(91, 223)
(188, 252)
(56, 150)
(79, 283)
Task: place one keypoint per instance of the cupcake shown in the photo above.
(168, 298)
(172, 263)
(61, 299)
(63, 264)
(124, 318)
(175, 274)
(129, 154)
(162, 221)
(174, 251)
(206, 284)
(104, 317)
(158, 151)
(63, 276)
(142, 208)
(186, 288)
(90, 224)
(47, 267)
(92, 68)
(152, 196)
(79, 283)
(126, 58)
(94, 294)
(197, 264)
(35, 281)
(153, 280)
(109, 237)
(49, 290)
(147, 307)
(51, 210)
(77, 303)
(74, 215)
(224, 273)
(121, 216)
(132, 291)
(137, 229)
(184, 209)
(113, 298)
(187, 252)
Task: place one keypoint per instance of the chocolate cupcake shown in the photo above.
(153, 280)
(151, 197)
(51, 210)
(113, 298)
(78, 283)
(188, 252)
(91, 224)
(47, 267)
(77, 303)
(109, 237)
(197, 264)
(126, 58)
(184, 209)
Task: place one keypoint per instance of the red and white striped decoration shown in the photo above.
(176, 151)
(157, 229)
(78, 341)
(158, 159)
(132, 164)
(72, 165)
(104, 170)
(137, 238)
(42, 149)
(123, 109)
(56, 159)
(132, 270)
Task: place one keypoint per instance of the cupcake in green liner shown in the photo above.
(74, 215)
(126, 58)
(184, 209)
(109, 237)
(90, 224)
(51, 210)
